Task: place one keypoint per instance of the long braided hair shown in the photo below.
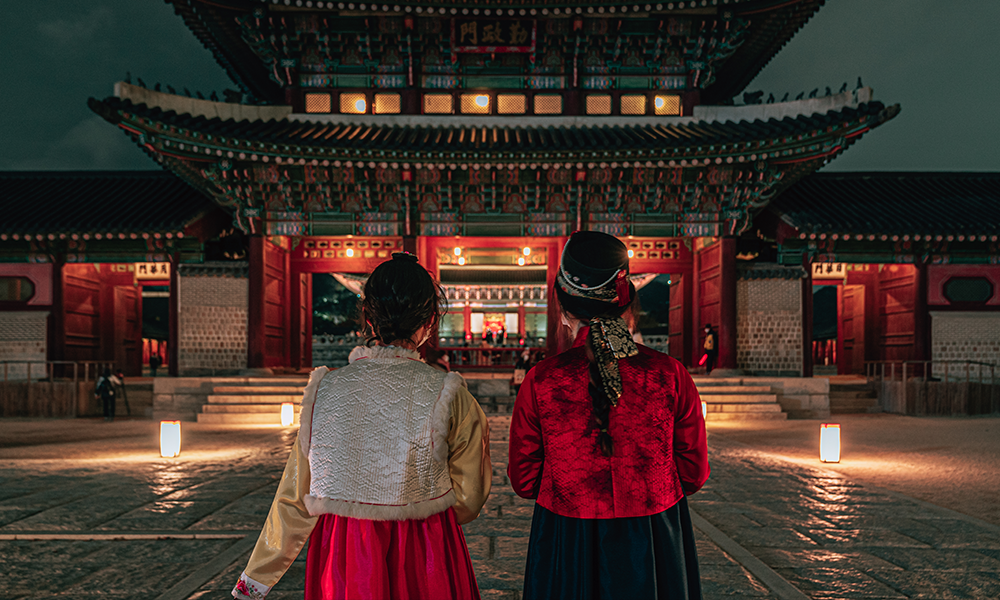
(586, 309)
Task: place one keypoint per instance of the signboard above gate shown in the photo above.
(493, 35)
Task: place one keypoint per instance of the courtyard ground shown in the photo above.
(88, 509)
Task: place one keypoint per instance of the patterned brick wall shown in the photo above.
(965, 336)
(23, 337)
(213, 320)
(769, 326)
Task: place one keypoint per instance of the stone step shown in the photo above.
(739, 398)
(743, 408)
(271, 409)
(254, 399)
(259, 389)
(242, 418)
(734, 389)
(743, 416)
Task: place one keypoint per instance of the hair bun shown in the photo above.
(405, 256)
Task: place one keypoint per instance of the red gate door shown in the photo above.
(128, 330)
(852, 331)
(680, 318)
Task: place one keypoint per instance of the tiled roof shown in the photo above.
(768, 271)
(482, 139)
(879, 203)
(126, 202)
(772, 24)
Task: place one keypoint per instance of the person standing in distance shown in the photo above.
(608, 437)
(711, 348)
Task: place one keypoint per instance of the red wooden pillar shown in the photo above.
(521, 321)
(255, 303)
(697, 335)
(807, 317)
(466, 321)
(921, 318)
(173, 318)
(57, 318)
(727, 303)
(553, 343)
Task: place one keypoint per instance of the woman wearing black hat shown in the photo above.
(609, 438)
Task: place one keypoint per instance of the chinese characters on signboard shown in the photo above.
(152, 270)
(493, 35)
(822, 270)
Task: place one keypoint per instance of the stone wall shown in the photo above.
(23, 338)
(971, 336)
(769, 326)
(213, 319)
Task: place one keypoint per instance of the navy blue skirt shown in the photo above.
(636, 558)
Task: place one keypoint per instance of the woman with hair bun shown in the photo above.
(391, 458)
(609, 438)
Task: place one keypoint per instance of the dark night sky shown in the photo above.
(941, 63)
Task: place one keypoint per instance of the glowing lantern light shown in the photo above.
(482, 101)
(461, 260)
(526, 251)
(631, 254)
(829, 442)
(520, 261)
(660, 102)
(359, 105)
(170, 438)
(704, 409)
(350, 252)
(458, 251)
(287, 414)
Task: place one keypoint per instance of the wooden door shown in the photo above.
(852, 330)
(128, 330)
(302, 322)
(680, 318)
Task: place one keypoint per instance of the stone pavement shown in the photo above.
(112, 520)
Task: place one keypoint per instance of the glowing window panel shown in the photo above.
(318, 103)
(475, 104)
(548, 104)
(667, 105)
(438, 104)
(353, 104)
(633, 105)
(387, 104)
(511, 104)
(598, 104)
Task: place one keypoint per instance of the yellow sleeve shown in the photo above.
(469, 456)
(285, 531)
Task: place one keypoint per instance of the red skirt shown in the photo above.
(416, 559)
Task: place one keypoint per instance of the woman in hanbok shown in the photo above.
(392, 456)
(609, 438)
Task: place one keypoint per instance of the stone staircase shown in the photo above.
(729, 399)
(852, 398)
(726, 399)
(257, 402)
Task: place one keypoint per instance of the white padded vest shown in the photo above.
(377, 439)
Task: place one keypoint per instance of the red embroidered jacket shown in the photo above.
(660, 447)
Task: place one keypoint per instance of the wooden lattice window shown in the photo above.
(599, 104)
(667, 105)
(438, 104)
(548, 104)
(353, 104)
(475, 104)
(511, 104)
(318, 103)
(633, 105)
(387, 104)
